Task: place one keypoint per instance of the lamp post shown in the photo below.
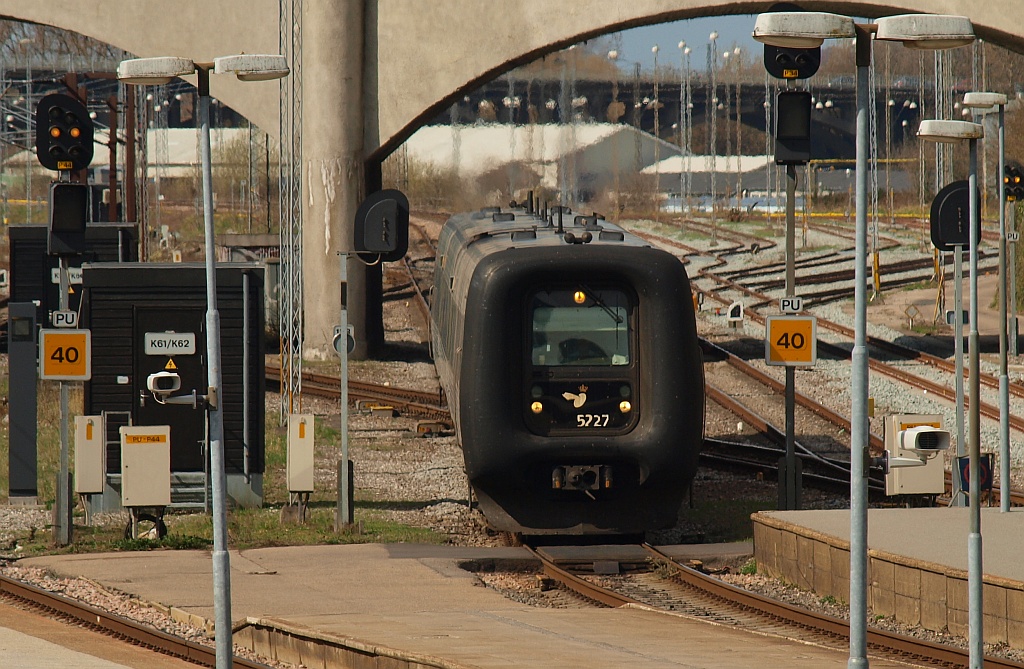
(682, 130)
(736, 52)
(657, 137)
(950, 132)
(158, 71)
(981, 101)
(712, 107)
(808, 30)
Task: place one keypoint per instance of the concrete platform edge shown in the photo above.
(286, 641)
(912, 591)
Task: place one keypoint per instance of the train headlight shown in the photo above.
(625, 406)
(579, 297)
(536, 407)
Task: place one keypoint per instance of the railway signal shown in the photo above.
(949, 218)
(69, 214)
(381, 228)
(793, 128)
(64, 133)
(1013, 182)
(788, 63)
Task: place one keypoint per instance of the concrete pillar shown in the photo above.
(332, 170)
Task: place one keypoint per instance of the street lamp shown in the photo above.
(982, 101)
(657, 138)
(950, 132)
(686, 119)
(712, 111)
(808, 30)
(159, 71)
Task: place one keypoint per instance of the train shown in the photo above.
(567, 349)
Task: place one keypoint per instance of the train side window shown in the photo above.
(580, 326)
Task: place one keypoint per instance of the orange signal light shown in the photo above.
(75, 132)
(55, 132)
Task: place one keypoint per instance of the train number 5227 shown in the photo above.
(592, 419)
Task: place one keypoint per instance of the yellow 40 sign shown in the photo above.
(791, 341)
(65, 355)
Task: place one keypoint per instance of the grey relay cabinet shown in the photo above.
(147, 318)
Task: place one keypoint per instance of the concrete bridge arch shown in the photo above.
(374, 70)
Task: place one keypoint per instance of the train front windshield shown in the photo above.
(579, 326)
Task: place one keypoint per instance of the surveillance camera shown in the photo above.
(163, 384)
(923, 440)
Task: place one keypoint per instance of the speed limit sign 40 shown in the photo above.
(65, 355)
(791, 341)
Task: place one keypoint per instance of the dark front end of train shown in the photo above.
(582, 390)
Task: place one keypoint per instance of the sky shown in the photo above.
(635, 45)
(732, 31)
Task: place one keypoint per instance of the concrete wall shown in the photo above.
(455, 50)
(196, 30)
(912, 591)
(420, 55)
(417, 57)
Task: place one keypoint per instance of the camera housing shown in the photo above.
(911, 443)
(924, 440)
(162, 384)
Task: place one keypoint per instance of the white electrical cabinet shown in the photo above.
(90, 455)
(146, 465)
(300, 452)
(928, 479)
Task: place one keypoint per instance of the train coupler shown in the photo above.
(581, 477)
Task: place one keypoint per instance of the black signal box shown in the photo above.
(950, 217)
(64, 133)
(382, 226)
(793, 128)
(789, 63)
(69, 214)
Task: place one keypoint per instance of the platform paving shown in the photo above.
(413, 606)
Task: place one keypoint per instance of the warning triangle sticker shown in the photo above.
(170, 364)
(71, 291)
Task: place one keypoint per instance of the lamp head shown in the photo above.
(926, 31)
(950, 132)
(252, 67)
(154, 71)
(983, 100)
(801, 30)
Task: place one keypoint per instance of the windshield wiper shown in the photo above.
(599, 302)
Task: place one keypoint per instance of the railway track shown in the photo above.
(411, 402)
(139, 634)
(817, 472)
(1015, 389)
(909, 378)
(680, 589)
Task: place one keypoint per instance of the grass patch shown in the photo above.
(247, 528)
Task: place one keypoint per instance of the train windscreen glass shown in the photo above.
(579, 326)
